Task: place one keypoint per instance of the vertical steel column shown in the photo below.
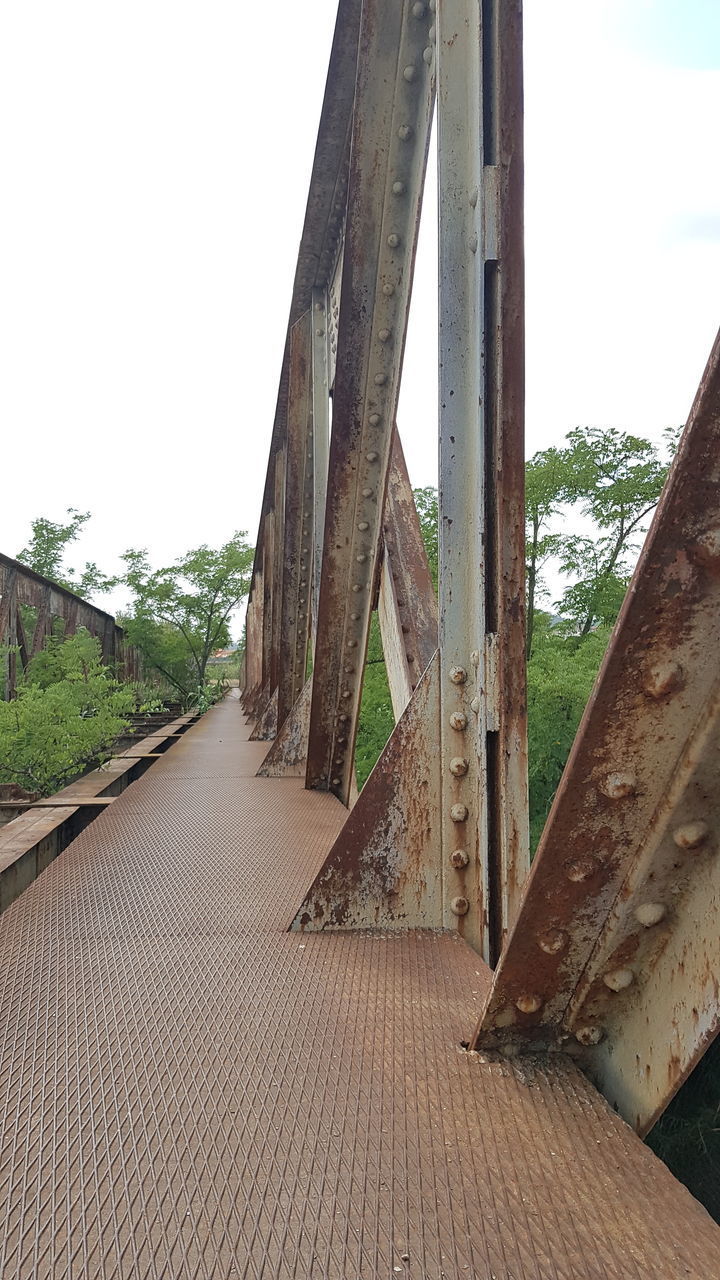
(321, 435)
(481, 394)
(298, 520)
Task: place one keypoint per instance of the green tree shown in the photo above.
(545, 492)
(426, 503)
(615, 479)
(45, 553)
(68, 712)
(180, 614)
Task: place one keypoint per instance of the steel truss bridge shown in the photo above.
(256, 1025)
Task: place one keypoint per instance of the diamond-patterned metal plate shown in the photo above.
(190, 1091)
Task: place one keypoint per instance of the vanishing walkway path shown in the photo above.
(188, 1090)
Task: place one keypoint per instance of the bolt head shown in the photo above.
(458, 766)
(582, 869)
(352, 644)
(398, 188)
(363, 525)
(409, 74)
(371, 456)
(459, 859)
(619, 785)
(691, 835)
(588, 1035)
(388, 290)
(650, 913)
(459, 812)
(336, 782)
(458, 675)
(458, 720)
(552, 941)
(393, 240)
(460, 906)
(528, 1003)
(663, 678)
(384, 335)
(367, 493)
(361, 559)
(418, 10)
(374, 419)
(618, 979)
(428, 54)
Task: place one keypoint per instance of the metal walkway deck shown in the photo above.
(190, 1091)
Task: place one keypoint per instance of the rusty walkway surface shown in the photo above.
(190, 1091)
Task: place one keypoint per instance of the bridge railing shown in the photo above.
(21, 587)
(610, 949)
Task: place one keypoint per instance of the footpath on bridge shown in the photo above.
(188, 1090)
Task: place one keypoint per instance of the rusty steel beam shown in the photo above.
(321, 435)
(616, 950)
(481, 554)
(298, 522)
(407, 605)
(394, 95)
(287, 756)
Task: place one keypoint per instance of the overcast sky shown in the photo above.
(155, 159)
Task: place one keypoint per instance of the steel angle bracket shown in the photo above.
(288, 753)
(384, 870)
(616, 950)
(267, 725)
(391, 126)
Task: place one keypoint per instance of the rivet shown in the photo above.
(388, 290)
(349, 671)
(589, 1035)
(410, 657)
(458, 720)
(384, 335)
(357, 586)
(475, 658)
(398, 188)
(431, 33)
(355, 617)
(663, 678)
(475, 705)
(361, 558)
(458, 675)
(650, 913)
(619, 785)
(458, 812)
(320, 333)
(428, 54)
(460, 906)
(409, 73)
(336, 782)
(432, 6)
(691, 835)
(582, 869)
(405, 132)
(473, 197)
(345, 693)
(352, 644)
(458, 766)
(363, 525)
(552, 941)
(319, 306)
(459, 859)
(473, 243)
(528, 1003)
(343, 719)
(418, 10)
(371, 456)
(367, 493)
(706, 550)
(618, 979)
(393, 240)
(303, 584)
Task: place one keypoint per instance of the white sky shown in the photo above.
(156, 158)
